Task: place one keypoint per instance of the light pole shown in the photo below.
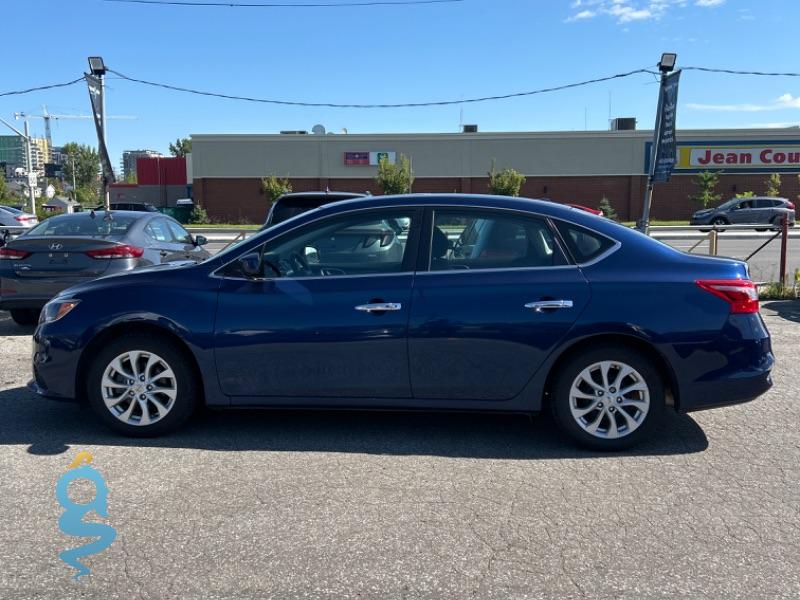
(32, 180)
(98, 68)
(666, 65)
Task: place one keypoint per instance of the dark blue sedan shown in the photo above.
(482, 303)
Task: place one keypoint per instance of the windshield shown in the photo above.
(729, 203)
(83, 225)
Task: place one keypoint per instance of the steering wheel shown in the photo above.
(298, 262)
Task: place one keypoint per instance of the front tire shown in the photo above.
(142, 385)
(608, 398)
(718, 221)
(25, 316)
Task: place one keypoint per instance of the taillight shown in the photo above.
(790, 205)
(11, 254)
(116, 252)
(741, 294)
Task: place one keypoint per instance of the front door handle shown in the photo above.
(376, 307)
(543, 305)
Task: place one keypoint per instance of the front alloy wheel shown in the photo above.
(142, 385)
(608, 398)
(139, 388)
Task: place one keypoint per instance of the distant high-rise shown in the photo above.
(129, 160)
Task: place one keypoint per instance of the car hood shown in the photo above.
(164, 274)
(705, 211)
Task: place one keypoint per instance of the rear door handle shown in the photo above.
(379, 307)
(543, 305)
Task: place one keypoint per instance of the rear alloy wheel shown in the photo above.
(141, 386)
(608, 398)
(25, 316)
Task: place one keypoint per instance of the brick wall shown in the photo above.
(241, 200)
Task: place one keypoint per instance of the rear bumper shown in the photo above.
(739, 389)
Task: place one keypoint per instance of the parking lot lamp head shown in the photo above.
(667, 62)
(97, 66)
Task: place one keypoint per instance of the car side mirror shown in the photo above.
(251, 266)
(200, 240)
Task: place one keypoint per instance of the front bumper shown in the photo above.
(55, 365)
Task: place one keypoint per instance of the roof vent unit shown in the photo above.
(623, 124)
(470, 129)
(318, 130)
(294, 132)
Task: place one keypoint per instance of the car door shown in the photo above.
(162, 248)
(493, 299)
(744, 212)
(329, 316)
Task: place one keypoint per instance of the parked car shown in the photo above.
(68, 249)
(13, 217)
(758, 210)
(549, 308)
(291, 205)
(134, 206)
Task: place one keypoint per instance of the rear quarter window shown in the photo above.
(583, 244)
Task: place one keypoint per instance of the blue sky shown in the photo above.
(399, 54)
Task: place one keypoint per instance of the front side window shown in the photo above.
(463, 240)
(354, 245)
(159, 230)
(179, 234)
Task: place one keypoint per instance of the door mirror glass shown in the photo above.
(200, 240)
(250, 265)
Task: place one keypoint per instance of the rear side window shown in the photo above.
(583, 244)
(464, 239)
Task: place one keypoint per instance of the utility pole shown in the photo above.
(32, 180)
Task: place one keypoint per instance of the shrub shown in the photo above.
(507, 182)
(608, 210)
(199, 216)
(275, 187)
(707, 183)
(397, 178)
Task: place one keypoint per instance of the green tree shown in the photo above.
(275, 187)
(608, 209)
(395, 178)
(181, 147)
(3, 187)
(706, 183)
(507, 182)
(745, 194)
(199, 216)
(131, 177)
(87, 164)
(774, 185)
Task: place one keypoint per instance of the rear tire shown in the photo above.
(142, 385)
(586, 408)
(25, 316)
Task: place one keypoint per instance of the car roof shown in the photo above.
(321, 195)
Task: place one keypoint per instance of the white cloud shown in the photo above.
(584, 14)
(627, 11)
(786, 101)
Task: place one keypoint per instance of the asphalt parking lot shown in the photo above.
(360, 505)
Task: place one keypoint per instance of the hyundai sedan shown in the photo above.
(68, 249)
(488, 303)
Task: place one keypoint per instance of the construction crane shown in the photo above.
(47, 116)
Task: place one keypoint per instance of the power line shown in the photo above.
(734, 72)
(286, 5)
(400, 105)
(41, 87)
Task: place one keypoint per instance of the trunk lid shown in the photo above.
(53, 256)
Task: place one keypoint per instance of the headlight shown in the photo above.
(55, 309)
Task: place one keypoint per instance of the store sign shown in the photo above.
(368, 158)
(717, 157)
(750, 157)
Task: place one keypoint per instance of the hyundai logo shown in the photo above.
(56, 246)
